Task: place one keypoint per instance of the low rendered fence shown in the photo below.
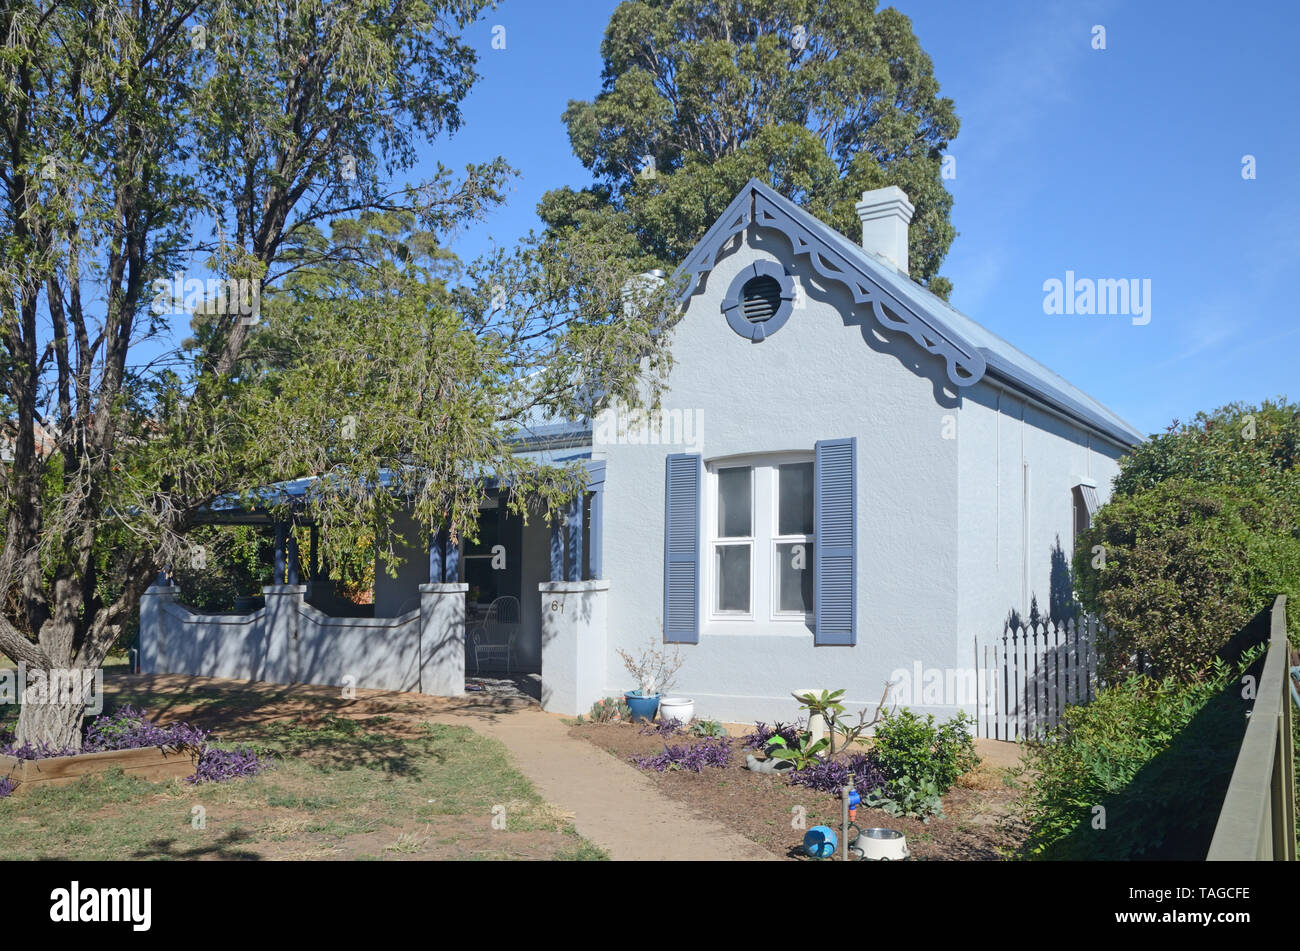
(289, 641)
(1258, 818)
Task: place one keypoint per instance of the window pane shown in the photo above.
(735, 488)
(794, 576)
(795, 499)
(733, 578)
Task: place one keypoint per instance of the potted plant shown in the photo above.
(654, 670)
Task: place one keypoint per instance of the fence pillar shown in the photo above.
(282, 621)
(442, 638)
(152, 641)
(573, 644)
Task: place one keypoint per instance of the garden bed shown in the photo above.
(152, 764)
(978, 824)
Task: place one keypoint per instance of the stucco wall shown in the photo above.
(290, 641)
(819, 377)
(397, 595)
(1003, 439)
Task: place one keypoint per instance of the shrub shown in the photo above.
(1151, 758)
(911, 798)
(713, 752)
(1186, 566)
(6, 786)
(910, 748)
(1237, 444)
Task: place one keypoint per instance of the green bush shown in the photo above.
(1237, 444)
(223, 563)
(1186, 565)
(918, 754)
(1140, 772)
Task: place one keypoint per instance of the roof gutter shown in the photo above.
(1009, 386)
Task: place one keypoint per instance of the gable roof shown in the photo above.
(970, 351)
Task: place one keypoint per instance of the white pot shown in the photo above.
(681, 709)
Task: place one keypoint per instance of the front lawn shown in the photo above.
(353, 779)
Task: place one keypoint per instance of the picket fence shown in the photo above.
(1025, 678)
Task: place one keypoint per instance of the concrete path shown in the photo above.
(614, 806)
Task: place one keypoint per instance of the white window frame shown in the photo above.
(716, 541)
(764, 589)
(774, 600)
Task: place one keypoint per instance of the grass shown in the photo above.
(340, 788)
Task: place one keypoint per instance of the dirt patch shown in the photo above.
(978, 824)
(231, 707)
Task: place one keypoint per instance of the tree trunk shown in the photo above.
(56, 724)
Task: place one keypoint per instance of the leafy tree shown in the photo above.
(821, 99)
(145, 139)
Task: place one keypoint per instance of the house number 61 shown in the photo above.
(557, 606)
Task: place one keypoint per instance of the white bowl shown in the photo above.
(881, 845)
(681, 709)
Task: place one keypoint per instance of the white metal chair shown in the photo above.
(494, 634)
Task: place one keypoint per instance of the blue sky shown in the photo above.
(1116, 163)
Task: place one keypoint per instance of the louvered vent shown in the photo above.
(760, 298)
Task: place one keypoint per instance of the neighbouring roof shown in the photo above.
(970, 351)
(564, 444)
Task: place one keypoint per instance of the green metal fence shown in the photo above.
(1258, 819)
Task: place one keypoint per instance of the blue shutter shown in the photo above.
(835, 520)
(684, 482)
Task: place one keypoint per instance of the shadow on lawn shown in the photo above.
(225, 848)
(334, 743)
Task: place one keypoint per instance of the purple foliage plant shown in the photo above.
(130, 729)
(831, 775)
(763, 734)
(713, 752)
(669, 727)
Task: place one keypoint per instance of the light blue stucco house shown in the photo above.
(847, 478)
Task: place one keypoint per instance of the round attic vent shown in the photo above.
(759, 301)
(760, 298)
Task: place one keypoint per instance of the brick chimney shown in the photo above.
(885, 214)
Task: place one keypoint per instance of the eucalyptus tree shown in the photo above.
(821, 99)
(147, 141)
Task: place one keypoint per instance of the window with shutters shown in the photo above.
(759, 557)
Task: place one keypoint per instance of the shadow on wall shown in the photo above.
(1061, 604)
(897, 345)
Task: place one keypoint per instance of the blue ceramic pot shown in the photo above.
(643, 708)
